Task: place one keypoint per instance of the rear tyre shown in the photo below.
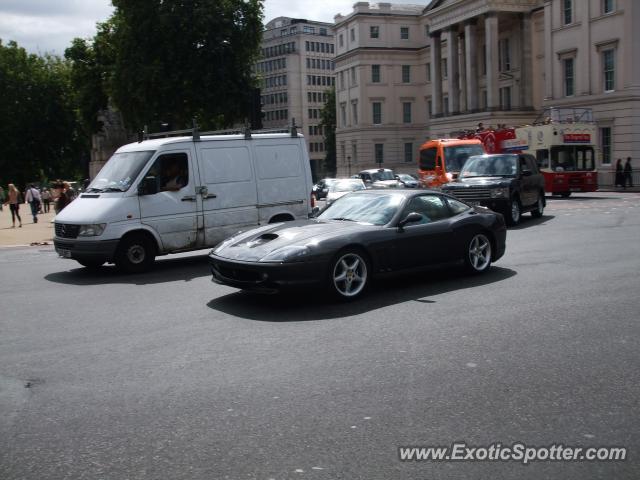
(349, 274)
(565, 194)
(477, 257)
(539, 210)
(91, 264)
(515, 212)
(136, 254)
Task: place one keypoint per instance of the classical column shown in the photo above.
(453, 73)
(462, 65)
(471, 61)
(526, 91)
(548, 54)
(491, 47)
(436, 70)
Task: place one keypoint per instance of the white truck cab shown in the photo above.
(176, 194)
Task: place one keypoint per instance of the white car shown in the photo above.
(343, 186)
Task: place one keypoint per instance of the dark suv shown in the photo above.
(507, 183)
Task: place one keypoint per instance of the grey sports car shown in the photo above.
(361, 235)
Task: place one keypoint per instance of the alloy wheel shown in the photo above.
(350, 275)
(479, 252)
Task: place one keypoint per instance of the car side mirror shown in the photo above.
(148, 186)
(411, 218)
(314, 212)
(527, 173)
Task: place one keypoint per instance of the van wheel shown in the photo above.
(515, 212)
(539, 210)
(136, 253)
(91, 264)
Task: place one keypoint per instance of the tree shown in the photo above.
(328, 122)
(175, 60)
(38, 129)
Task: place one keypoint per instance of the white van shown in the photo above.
(177, 194)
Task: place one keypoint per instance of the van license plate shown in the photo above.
(63, 252)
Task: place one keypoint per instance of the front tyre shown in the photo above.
(478, 253)
(349, 274)
(539, 210)
(136, 254)
(515, 212)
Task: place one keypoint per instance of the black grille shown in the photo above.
(239, 274)
(470, 193)
(66, 230)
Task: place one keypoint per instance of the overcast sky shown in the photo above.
(49, 25)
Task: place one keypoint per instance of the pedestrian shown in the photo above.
(46, 199)
(32, 197)
(13, 199)
(619, 173)
(1, 197)
(628, 171)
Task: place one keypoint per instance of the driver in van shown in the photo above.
(173, 180)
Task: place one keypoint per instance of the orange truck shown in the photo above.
(442, 159)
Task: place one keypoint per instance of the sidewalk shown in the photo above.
(30, 232)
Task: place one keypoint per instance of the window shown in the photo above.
(341, 79)
(354, 152)
(567, 11)
(607, 6)
(485, 101)
(504, 60)
(374, 31)
(457, 207)
(568, 77)
(426, 31)
(408, 152)
(445, 105)
(406, 112)
(605, 144)
(353, 34)
(505, 98)
(429, 109)
(343, 114)
(293, 30)
(404, 33)
(483, 59)
(171, 171)
(608, 63)
(431, 207)
(354, 112)
(341, 40)
(444, 68)
(428, 72)
(306, 46)
(323, 32)
(353, 76)
(379, 153)
(377, 113)
(375, 73)
(308, 29)
(406, 73)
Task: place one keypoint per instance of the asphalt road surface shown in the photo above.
(166, 375)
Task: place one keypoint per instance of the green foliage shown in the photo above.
(38, 131)
(328, 122)
(175, 60)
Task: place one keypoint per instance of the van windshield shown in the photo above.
(119, 172)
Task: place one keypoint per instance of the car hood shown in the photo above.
(478, 182)
(257, 243)
(387, 184)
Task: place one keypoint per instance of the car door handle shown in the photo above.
(209, 195)
(189, 198)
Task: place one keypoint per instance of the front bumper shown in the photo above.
(104, 250)
(267, 277)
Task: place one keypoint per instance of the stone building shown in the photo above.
(406, 73)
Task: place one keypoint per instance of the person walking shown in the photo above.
(46, 199)
(628, 173)
(13, 199)
(32, 197)
(619, 173)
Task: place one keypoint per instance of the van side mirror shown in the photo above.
(148, 186)
(411, 218)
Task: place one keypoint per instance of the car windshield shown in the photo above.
(456, 156)
(406, 178)
(119, 172)
(383, 175)
(367, 208)
(346, 186)
(490, 166)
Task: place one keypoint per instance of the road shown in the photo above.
(166, 375)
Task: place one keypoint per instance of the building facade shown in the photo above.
(296, 70)
(428, 72)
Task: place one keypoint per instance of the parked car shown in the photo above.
(407, 180)
(175, 194)
(507, 183)
(380, 178)
(365, 233)
(342, 186)
(321, 188)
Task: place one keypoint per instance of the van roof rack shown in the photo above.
(196, 133)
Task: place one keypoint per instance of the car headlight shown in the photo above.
(287, 253)
(92, 230)
(502, 192)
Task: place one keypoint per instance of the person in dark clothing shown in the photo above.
(619, 174)
(628, 173)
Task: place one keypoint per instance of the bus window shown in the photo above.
(455, 156)
(563, 159)
(542, 158)
(428, 159)
(585, 159)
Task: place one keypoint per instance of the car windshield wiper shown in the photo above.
(342, 219)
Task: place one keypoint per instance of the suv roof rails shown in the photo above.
(196, 133)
